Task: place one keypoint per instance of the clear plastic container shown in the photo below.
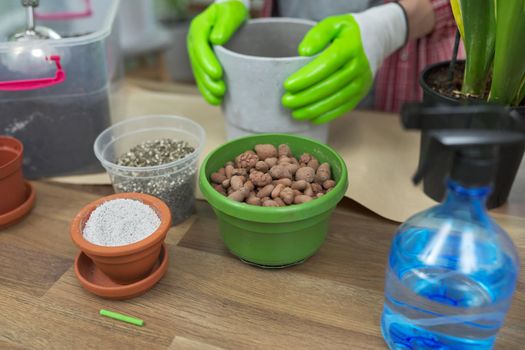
(173, 182)
(55, 94)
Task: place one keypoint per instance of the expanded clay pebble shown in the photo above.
(260, 178)
(119, 222)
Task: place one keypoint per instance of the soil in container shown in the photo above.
(438, 80)
(57, 131)
(57, 124)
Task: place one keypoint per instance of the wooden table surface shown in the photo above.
(208, 299)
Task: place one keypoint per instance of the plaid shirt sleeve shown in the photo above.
(268, 7)
(398, 79)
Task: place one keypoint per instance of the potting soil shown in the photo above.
(119, 222)
(57, 131)
(440, 81)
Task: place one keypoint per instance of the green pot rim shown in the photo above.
(271, 214)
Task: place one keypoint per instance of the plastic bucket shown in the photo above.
(55, 94)
(257, 60)
(266, 236)
(172, 182)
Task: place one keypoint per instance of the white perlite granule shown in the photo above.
(120, 222)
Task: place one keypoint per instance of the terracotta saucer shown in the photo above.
(95, 281)
(16, 215)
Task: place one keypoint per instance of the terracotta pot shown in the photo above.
(12, 185)
(96, 282)
(128, 263)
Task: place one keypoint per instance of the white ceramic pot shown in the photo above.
(256, 61)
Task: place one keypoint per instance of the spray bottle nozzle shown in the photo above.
(480, 117)
(476, 153)
(477, 166)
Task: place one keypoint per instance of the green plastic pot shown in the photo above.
(270, 236)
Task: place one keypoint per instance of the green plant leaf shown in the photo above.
(509, 60)
(479, 22)
(456, 11)
(521, 93)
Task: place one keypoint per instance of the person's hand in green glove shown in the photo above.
(351, 47)
(214, 26)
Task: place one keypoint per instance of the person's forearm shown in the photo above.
(421, 18)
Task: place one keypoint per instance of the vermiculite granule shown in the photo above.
(119, 222)
(175, 185)
(155, 152)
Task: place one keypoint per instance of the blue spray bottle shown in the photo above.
(452, 270)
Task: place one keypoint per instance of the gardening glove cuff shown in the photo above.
(384, 29)
(245, 2)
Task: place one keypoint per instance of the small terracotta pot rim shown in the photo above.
(15, 163)
(92, 249)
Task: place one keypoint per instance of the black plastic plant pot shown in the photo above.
(510, 156)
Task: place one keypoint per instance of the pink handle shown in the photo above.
(66, 15)
(32, 84)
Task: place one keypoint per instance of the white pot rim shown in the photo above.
(228, 52)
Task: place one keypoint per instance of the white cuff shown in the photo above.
(245, 2)
(383, 31)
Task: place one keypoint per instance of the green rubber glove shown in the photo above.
(351, 47)
(214, 26)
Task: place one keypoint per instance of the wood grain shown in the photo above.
(181, 343)
(208, 299)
